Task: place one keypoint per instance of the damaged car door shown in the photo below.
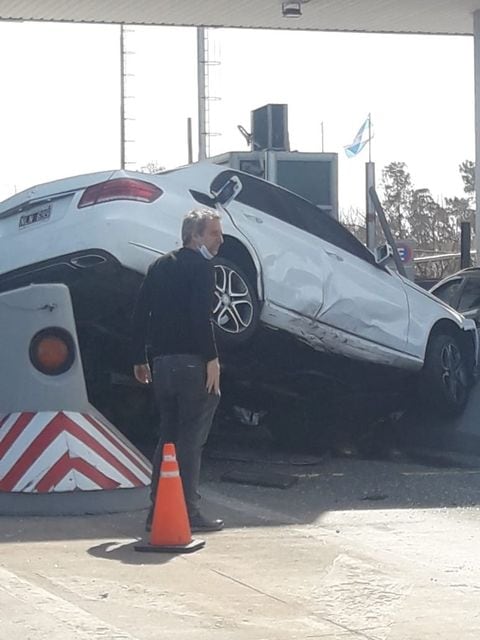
(294, 266)
(336, 295)
(365, 302)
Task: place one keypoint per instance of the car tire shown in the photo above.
(446, 380)
(236, 309)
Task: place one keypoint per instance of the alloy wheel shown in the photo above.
(233, 310)
(454, 375)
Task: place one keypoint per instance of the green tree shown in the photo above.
(414, 213)
(397, 198)
(467, 171)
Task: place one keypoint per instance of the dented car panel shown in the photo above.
(294, 277)
(365, 301)
(332, 340)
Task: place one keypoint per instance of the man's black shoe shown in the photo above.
(199, 523)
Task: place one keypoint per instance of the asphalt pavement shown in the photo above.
(376, 546)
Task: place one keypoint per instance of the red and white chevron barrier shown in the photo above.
(49, 451)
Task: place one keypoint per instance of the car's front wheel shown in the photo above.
(445, 376)
(236, 309)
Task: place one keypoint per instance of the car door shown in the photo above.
(367, 301)
(295, 269)
(360, 298)
(469, 303)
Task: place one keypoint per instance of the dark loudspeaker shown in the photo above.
(270, 127)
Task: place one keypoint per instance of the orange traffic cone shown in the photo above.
(170, 526)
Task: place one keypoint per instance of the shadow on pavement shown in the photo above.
(126, 554)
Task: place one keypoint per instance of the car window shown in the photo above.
(470, 298)
(294, 210)
(449, 291)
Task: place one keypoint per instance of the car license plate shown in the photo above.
(35, 216)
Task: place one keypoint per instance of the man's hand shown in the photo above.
(142, 373)
(213, 377)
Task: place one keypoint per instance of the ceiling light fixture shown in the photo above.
(292, 8)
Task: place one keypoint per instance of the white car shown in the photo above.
(284, 264)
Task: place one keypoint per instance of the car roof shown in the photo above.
(473, 270)
(468, 272)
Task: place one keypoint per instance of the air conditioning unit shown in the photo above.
(269, 127)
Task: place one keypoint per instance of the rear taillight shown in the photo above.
(120, 189)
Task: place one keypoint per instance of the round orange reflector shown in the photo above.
(52, 351)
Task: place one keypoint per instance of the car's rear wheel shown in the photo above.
(236, 309)
(446, 379)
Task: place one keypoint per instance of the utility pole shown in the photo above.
(201, 79)
(122, 99)
(204, 62)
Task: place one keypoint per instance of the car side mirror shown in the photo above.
(383, 253)
(225, 192)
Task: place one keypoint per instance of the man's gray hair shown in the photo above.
(195, 221)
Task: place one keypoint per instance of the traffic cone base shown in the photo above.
(192, 546)
(171, 531)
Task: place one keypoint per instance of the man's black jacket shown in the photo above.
(173, 313)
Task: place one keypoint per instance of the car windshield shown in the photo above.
(448, 292)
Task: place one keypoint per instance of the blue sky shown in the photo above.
(59, 113)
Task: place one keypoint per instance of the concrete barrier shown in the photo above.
(58, 455)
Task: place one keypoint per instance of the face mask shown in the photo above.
(205, 252)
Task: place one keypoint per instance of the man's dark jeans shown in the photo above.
(187, 411)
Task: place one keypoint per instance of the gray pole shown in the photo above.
(189, 140)
(369, 137)
(476, 41)
(122, 101)
(465, 240)
(202, 134)
(369, 208)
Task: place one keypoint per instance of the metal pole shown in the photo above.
(189, 140)
(369, 207)
(122, 100)
(476, 51)
(387, 232)
(323, 137)
(369, 137)
(465, 245)
(201, 70)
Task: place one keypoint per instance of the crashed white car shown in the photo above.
(284, 265)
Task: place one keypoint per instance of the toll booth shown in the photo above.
(314, 176)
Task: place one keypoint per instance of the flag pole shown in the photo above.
(369, 137)
(370, 183)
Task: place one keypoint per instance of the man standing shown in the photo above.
(173, 314)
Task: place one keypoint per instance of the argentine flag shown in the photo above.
(363, 136)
